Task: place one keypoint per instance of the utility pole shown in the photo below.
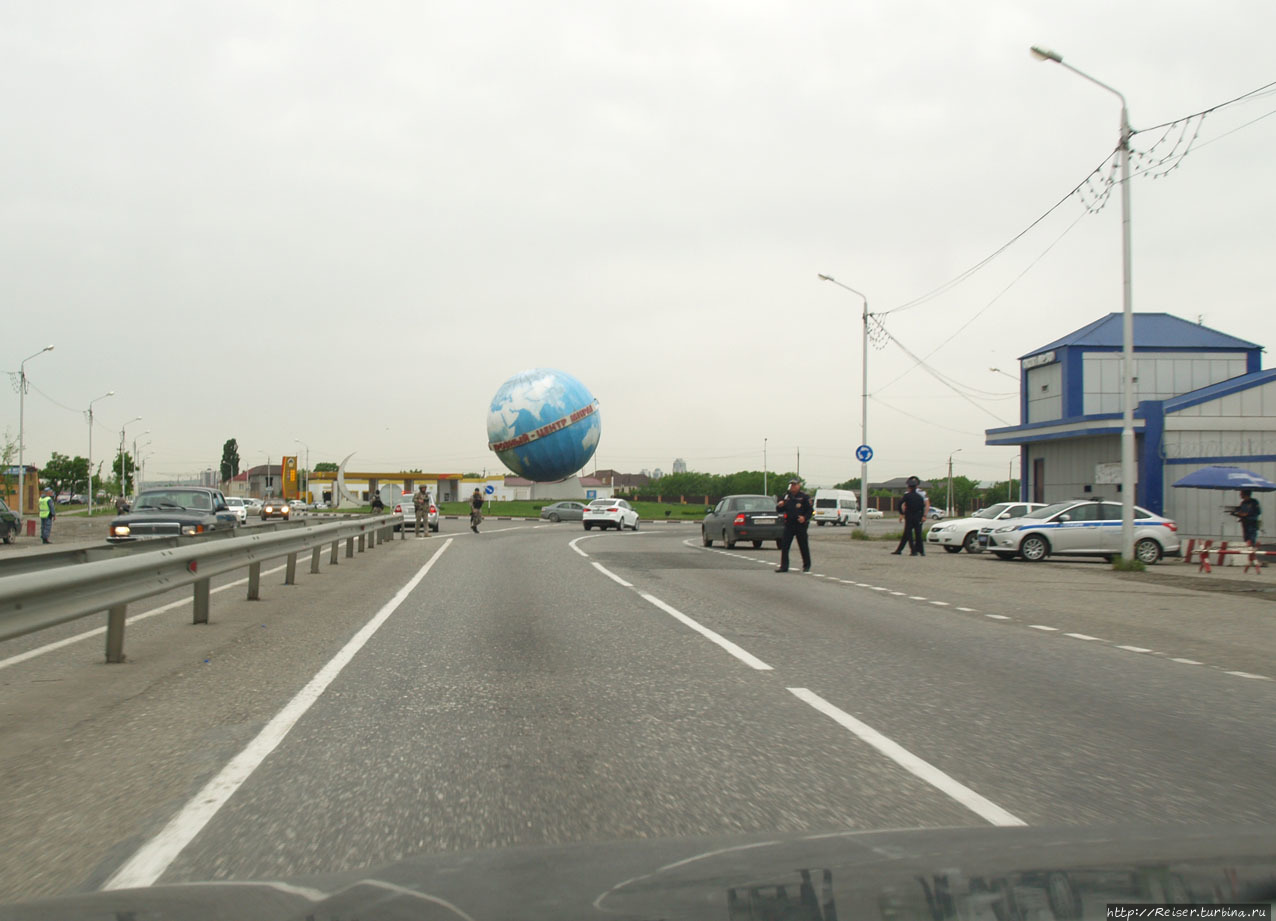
(764, 492)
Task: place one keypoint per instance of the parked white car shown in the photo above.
(1080, 528)
(963, 533)
(610, 513)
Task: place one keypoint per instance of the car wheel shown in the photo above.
(952, 549)
(705, 538)
(9, 534)
(820, 523)
(553, 516)
(1034, 548)
(971, 543)
(727, 540)
(1003, 555)
(1147, 551)
(434, 528)
(635, 524)
(588, 526)
(757, 544)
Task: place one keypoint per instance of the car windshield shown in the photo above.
(602, 503)
(200, 501)
(754, 504)
(991, 511)
(1050, 510)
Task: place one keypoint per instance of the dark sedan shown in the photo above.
(739, 518)
(564, 511)
(173, 511)
(9, 523)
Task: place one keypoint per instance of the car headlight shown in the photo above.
(120, 530)
(1009, 527)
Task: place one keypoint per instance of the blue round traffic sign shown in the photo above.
(863, 454)
(489, 489)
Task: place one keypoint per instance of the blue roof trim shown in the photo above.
(1224, 459)
(1151, 331)
(1221, 389)
(1053, 436)
(1070, 420)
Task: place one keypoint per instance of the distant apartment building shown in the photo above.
(679, 465)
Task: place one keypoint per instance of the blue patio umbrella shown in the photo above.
(1222, 476)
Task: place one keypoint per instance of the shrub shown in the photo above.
(1121, 564)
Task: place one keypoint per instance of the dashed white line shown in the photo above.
(1084, 636)
(942, 604)
(1043, 627)
(917, 598)
(1186, 661)
(743, 655)
(968, 610)
(981, 806)
(997, 616)
(1249, 675)
(1134, 648)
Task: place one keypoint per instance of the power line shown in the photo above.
(1203, 112)
(920, 419)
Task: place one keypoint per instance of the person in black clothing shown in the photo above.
(377, 505)
(795, 505)
(476, 510)
(1249, 511)
(912, 509)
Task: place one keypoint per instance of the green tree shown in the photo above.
(230, 460)
(326, 467)
(8, 457)
(966, 493)
(853, 483)
(65, 474)
(124, 468)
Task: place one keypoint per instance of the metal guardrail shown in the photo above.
(32, 601)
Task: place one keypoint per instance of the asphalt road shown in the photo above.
(534, 684)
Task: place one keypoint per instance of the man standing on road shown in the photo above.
(1249, 511)
(476, 510)
(912, 509)
(421, 505)
(795, 505)
(47, 514)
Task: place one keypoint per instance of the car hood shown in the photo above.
(992, 873)
(972, 522)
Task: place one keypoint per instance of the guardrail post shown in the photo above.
(115, 633)
(201, 601)
(333, 557)
(254, 581)
(403, 532)
(372, 539)
(314, 559)
(290, 574)
(350, 547)
(363, 540)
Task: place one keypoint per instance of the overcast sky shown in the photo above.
(347, 224)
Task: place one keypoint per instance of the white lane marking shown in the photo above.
(150, 862)
(968, 610)
(744, 656)
(997, 616)
(1084, 636)
(897, 593)
(1134, 649)
(1043, 627)
(1185, 661)
(917, 598)
(942, 604)
(611, 575)
(573, 544)
(981, 806)
(1249, 675)
(878, 588)
(98, 631)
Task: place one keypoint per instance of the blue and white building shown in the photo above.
(1201, 398)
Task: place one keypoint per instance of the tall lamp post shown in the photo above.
(139, 466)
(948, 510)
(1127, 296)
(137, 483)
(307, 447)
(123, 461)
(863, 391)
(109, 393)
(22, 422)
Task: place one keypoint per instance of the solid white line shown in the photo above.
(1043, 627)
(1248, 675)
(1083, 636)
(149, 863)
(746, 657)
(982, 807)
(1134, 649)
(611, 575)
(573, 543)
(98, 631)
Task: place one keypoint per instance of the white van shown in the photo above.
(836, 506)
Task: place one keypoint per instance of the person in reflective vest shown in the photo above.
(47, 514)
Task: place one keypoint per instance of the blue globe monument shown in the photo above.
(543, 424)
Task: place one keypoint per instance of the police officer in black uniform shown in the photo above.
(912, 509)
(795, 506)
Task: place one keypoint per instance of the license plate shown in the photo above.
(764, 521)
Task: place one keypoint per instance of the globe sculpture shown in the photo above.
(543, 424)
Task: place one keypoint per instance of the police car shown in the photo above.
(1080, 527)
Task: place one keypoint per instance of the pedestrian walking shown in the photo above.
(476, 510)
(48, 511)
(377, 505)
(795, 505)
(1249, 512)
(421, 505)
(912, 509)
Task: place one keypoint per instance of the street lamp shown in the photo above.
(139, 476)
(109, 393)
(949, 509)
(22, 421)
(123, 462)
(863, 393)
(307, 447)
(1127, 298)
